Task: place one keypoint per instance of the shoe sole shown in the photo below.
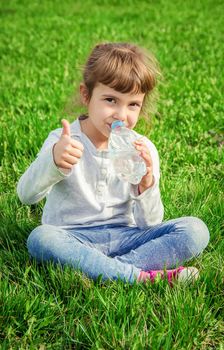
(189, 274)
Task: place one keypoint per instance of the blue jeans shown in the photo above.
(120, 251)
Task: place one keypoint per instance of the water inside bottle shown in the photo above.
(129, 167)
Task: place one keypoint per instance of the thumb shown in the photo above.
(66, 128)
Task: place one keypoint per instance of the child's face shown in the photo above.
(107, 105)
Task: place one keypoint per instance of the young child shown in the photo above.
(92, 220)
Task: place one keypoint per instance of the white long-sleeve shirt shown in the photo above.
(91, 194)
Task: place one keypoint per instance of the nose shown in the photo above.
(121, 114)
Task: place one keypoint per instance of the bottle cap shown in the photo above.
(116, 124)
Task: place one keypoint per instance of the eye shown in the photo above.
(110, 99)
(135, 105)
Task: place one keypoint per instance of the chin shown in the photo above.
(106, 134)
(106, 131)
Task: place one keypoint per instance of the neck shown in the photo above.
(99, 140)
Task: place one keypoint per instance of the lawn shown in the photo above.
(43, 47)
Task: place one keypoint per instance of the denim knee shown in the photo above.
(199, 233)
(37, 240)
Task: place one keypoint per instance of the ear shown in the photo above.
(84, 94)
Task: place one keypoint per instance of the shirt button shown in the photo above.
(104, 171)
(99, 188)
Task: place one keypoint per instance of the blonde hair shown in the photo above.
(124, 67)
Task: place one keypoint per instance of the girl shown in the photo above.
(91, 219)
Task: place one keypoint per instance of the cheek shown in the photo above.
(132, 120)
(95, 111)
(105, 112)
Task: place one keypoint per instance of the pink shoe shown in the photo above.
(182, 274)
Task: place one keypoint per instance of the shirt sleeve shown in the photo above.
(41, 175)
(148, 208)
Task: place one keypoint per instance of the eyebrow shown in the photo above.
(112, 96)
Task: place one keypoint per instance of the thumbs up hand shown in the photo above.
(67, 151)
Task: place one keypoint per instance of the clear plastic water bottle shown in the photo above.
(128, 164)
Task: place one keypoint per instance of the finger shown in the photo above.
(139, 141)
(66, 128)
(74, 152)
(65, 165)
(147, 158)
(77, 144)
(142, 148)
(148, 171)
(70, 159)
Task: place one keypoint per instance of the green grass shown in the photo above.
(43, 45)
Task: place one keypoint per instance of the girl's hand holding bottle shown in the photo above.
(147, 180)
(130, 157)
(67, 151)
